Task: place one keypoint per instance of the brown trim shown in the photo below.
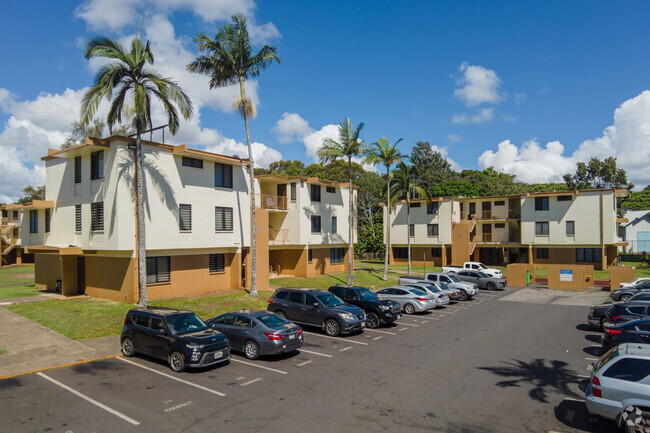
(63, 251)
(305, 179)
(183, 150)
(622, 220)
(36, 204)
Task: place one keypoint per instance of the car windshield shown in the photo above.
(366, 295)
(482, 266)
(605, 358)
(452, 278)
(434, 289)
(444, 286)
(418, 292)
(482, 275)
(272, 320)
(186, 323)
(330, 300)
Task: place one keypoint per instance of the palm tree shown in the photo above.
(348, 146)
(129, 74)
(385, 153)
(228, 60)
(406, 181)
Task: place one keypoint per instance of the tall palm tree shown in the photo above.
(382, 152)
(406, 181)
(348, 146)
(130, 75)
(228, 60)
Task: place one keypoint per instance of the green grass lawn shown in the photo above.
(17, 269)
(19, 291)
(363, 278)
(8, 275)
(210, 306)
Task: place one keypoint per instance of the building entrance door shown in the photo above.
(81, 275)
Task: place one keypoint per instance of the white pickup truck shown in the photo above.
(474, 266)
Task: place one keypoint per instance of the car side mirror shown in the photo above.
(316, 304)
(163, 332)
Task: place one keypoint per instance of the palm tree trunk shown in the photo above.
(139, 205)
(251, 174)
(351, 223)
(408, 227)
(387, 227)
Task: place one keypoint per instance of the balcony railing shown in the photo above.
(499, 238)
(276, 202)
(279, 236)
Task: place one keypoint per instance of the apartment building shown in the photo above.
(570, 227)
(197, 222)
(10, 244)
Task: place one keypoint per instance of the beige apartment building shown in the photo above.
(197, 223)
(569, 227)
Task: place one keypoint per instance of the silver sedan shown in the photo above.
(411, 299)
(438, 294)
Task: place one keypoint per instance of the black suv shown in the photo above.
(626, 311)
(317, 308)
(178, 337)
(377, 310)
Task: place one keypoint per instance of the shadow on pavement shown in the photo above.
(574, 414)
(593, 351)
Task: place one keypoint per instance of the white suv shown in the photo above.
(621, 377)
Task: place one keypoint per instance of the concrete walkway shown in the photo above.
(33, 347)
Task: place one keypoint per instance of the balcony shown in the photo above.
(278, 236)
(498, 214)
(498, 238)
(273, 202)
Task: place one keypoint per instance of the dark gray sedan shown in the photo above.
(258, 332)
(483, 281)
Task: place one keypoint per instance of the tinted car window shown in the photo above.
(180, 324)
(310, 300)
(629, 369)
(226, 319)
(399, 292)
(338, 291)
(296, 297)
(637, 310)
(141, 320)
(367, 295)
(329, 300)
(157, 324)
(445, 279)
(272, 320)
(281, 295)
(418, 292)
(643, 327)
(243, 321)
(351, 294)
(433, 289)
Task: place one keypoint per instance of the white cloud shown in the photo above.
(262, 154)
(445, 154)
(483, 115)
(453, 138)
(479, 85)
(291, 127)
(314, 141)
(520, 98)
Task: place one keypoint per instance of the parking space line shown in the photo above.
(345, 348)
(410, 324)
(335, 338)
(583, 376)
(315, 353)
(90, 400)
(212, 391)
(381, 332)
(376, 338)
(402, 329)
(596, 345)
(259, 366)
(592, 359)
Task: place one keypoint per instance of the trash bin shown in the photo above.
(527, 278)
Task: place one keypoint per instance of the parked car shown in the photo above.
(377, 311)
(625, 311)
(468, 290)
(439, 296)
(621, 377)
(634, 331)
(317, 308)
(634, 282)
(258, 332)
(454, 294)
(178, 337)
(596, 315)
(483, 281)
(640, 297)
(626, 293)
(474, 266)
(412, 300)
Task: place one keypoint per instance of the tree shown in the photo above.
(382, 152)
(637, 200)
(598, 174)
(80, 131)
(348, 146)
(406, 181)
(370, 231)
(229, 60)
(288, 168)
(129, 74)
(32, 193)
(431, 164)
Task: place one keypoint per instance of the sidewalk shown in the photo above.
(34, 347)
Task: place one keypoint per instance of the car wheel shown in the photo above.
(409, 309)
(602, 323)
(463, 295)
(281, 314)
(251, 350)
(176, 362)
(127, 347)
(491, 286)
(332, 327)
(372, 320)
(625, 298)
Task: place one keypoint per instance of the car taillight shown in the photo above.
(616, 318)
(270, 300)
(274, 336)
(595, 387)
(422, 299)
(439, 296)
(299, 331)
(612, 332)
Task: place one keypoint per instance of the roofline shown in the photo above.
(36, 204)
(305, 179)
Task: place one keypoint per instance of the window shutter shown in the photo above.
(47, 220)
(217, 263)
(227, 176)
(223, 221)
(222, 175)
(33, 221)
(97, 216)
(185, 217)
(77, 217)
(77, 169)
(97, 165)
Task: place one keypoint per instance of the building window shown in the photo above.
(564, 198)
(223, 219)
(541, 228)
(97, 165)
(48, 218)
(570, 228)
(411, 230)
(310, 255)
(158, 270)
(499, 225)
(185, 217)
(415, 204)
(222, 175)
(588, 254)
(217, 263)
(315, 223)
(400, 252)
(315, 193)
(293, 191)
(15, 213)
(432, 208)
(97, 216)
(33, 221)
(77, 218)
(436, 252)
(541, 203)
(334, 224)
(500, 203)
(77, 169)
(432, 229)
(337, 255)
(542, 253)
(330, 189)
(16, 232)
(192, 162)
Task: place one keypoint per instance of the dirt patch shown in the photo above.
(18, 276)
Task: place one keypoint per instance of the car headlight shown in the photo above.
(347, 316)
(384, 307)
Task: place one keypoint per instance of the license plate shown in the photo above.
(292, 336)
(398, 315)
(218, 355)
(363, 324)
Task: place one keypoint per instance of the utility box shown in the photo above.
(620, 274)
(520, 274)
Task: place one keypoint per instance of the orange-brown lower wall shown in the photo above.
(111, 278)
(287, 261)
(47, 270)
(564, 256)
(320, 263)
(420, 256)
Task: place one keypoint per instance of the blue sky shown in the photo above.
(527, 87)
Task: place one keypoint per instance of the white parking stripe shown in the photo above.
(410, 324)
(316, 353)
(221, 394)
(335, 338)
(376, 338)
(402, 329)
(345, 348)
(596, 345)
(583, 376)
(90, 400)
(591, 359)
(259, 366)
(381, 332)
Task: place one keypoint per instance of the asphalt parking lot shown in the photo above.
(510, 361)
